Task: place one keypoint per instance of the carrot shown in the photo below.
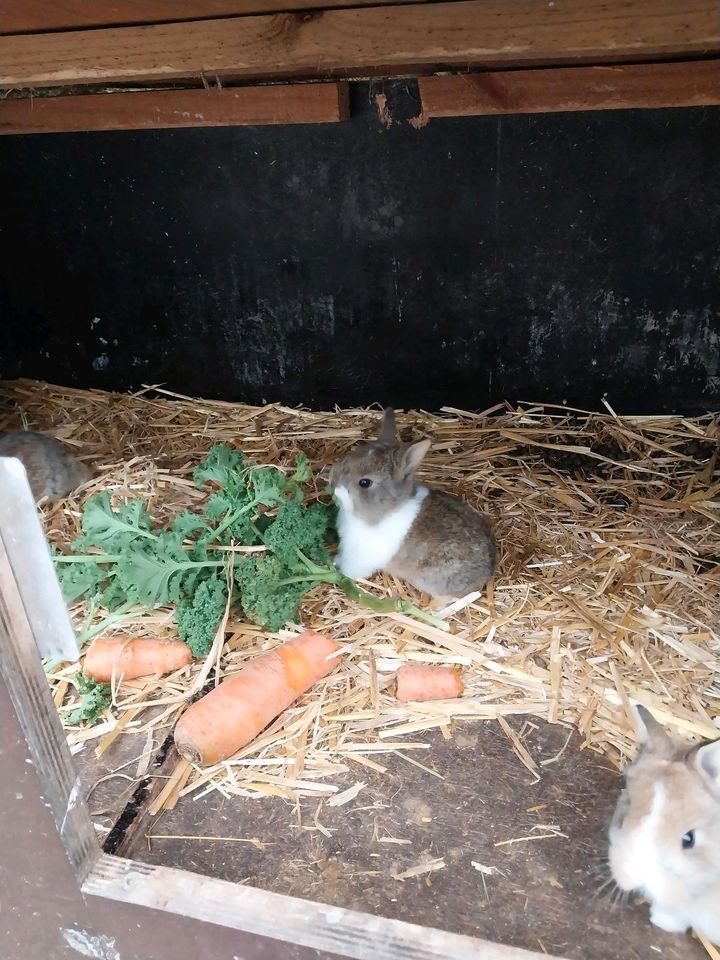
(422, 682)
(237, 710)
(134, 657)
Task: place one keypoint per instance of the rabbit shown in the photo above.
(665, 833)
(433, 540)
(51, 471)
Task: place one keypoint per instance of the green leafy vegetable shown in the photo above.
(199, 617)
(222, 465)
(80, 579)
(314, 574)
(162, 573)
(262, 597)
(95, 699)
(121, 562)
(111, 530)
(303, 473)
(186, 525)
(268, 593)
(299, 527)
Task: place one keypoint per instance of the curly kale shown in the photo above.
(264, 601)
(199, 617)
(95, 699)
(121, 562)
(297, 530)
(113, 530)
(298, 527)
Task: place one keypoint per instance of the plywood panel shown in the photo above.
(637, 86)
(283, 103)
(372, 39)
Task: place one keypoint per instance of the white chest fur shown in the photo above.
(366, 548)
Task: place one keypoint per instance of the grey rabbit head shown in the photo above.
(51, 470)
(378, 476)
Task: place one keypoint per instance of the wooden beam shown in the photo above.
(332, 930)
(395, 39)
(39, 16)
(633, 86)
(34, 618)
(151, 110)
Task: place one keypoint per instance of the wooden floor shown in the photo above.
(540, 893)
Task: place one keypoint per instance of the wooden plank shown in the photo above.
(337, 930)
(155, 109)
(516, 909)
(39, 16)
(633, 86)
(369, 40)
(29, 608)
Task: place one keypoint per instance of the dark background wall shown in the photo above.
(552, 257)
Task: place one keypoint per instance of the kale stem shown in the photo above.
(140, 533)
(182, 564)
(304, 578)
(379, 604)
(232, 517)
(114, 617)
(85, 557)
(390, 605)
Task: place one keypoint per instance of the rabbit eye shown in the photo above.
(688, 840)
(365, 482)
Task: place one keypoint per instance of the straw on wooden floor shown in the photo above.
(607, 591)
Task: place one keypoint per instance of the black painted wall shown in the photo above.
(556, 257)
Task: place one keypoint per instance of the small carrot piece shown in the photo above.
(134, 657)
(238, 709)
(422, 682)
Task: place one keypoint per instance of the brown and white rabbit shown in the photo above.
(52, 472)
(665, 834)
(435, 541)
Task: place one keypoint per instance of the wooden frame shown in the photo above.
(334, 930)
(370, 40)
(39, 16)
(645, 86)
(165, 109)
(131, 65)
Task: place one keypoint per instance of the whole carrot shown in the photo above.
(423, 682)
(132, 657)
(238, 709)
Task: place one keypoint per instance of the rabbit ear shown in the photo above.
(412, 456)
(387, 428)
(707, 759)
(651, 734)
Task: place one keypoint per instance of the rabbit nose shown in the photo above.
(326, 473)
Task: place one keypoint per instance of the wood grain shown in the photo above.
(39, 16)
(632, 86)
(340, 932)
(578, 791)
(368, 40)
(156, 109)
(30, 608)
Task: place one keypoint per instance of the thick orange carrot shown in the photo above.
(421, 682)
(237, 710)
(132, 657)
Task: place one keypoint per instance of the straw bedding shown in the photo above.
(606, 593)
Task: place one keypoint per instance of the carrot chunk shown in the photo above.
(238, 709)
(134, 657)
(423, 682)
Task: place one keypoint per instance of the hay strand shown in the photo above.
(606, 594)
